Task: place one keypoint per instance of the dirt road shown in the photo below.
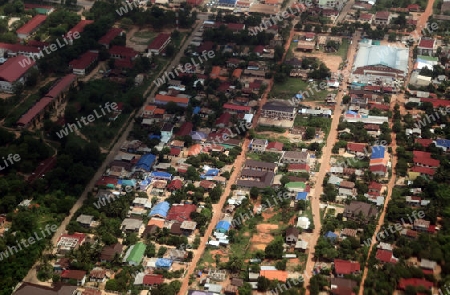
(400, 99)
(324, 167)
(216, 215)
(31, 276)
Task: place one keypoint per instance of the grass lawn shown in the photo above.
(145, 34)
(206, 258)
(320, 122)
(343, 49)
(292, 86)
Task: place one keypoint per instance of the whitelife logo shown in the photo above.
(127, 4)
(53, 47)
(186, 68)
(73, 127)
(31, 240)
(11, 158)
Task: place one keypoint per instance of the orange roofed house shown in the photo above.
(279, 275)
(164, 99)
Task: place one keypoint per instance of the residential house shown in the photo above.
(188, 227)
(260, 166)
(255, 178)
(25, 31)
(110, 252)
(274, 146)
(414, 282)
(298, 168)
(341, 286)
(427, 46)
(78, 275)
(385, 256)
(158, 44)
(424, 159)
(292, 235)
(278, 112)
(98, 275)
(421, 225)
(259, 145)
(84, 64)
(67, 242)
(164, 99)
(360, 211)
(345, 267)
(295, 157)
(55, 289)
(152, 280)
(15, 71)
(131, 225)
(85, 220)
(382, 18)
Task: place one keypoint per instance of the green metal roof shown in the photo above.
(41, 10)
(295, 184)
(137, 253)
(429, 58)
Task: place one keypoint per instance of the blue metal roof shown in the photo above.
(302, 196)
(146, 162)
(196, 110)
(223, 225)
(378, 152)
(160, 174)
(154, 136)
(228, 2)
(212, 172)
(160, 209)
(443, 142)
(163, 262)
(126, 182)
(330, 235)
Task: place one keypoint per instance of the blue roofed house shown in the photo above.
(145, 163)
(160, 210)
(161, 175)
(331, 236)
(144, 184)
(378, 152)
(301, 196)
(196, 110)
(223, 226)
(198, 136)
(163, 263)
(444, 144)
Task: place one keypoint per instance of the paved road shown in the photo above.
(344, 11)
(31, 276)
(324, 167)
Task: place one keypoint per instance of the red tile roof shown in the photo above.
(175, 152)
(356, 147)
(62, 85)
(385, 256)
(234, 107)
(80, 26)
(33, 6)
(346, 267)
(12, 70)
(292, 167)
(310, 35)
(436, 102)
(424, 158)
(224, 119)
(426, 43)
(206, 184)
(34, 111)
(259, 49)
(175, 185)
(194, 2)
(123, 51)
(73, 274)
(181, 212)
(36, 43)
(153, 279)
(168, 98)
(366, 16)
(375, 186)
(423, 170)
(104, 181)
(185, 129)
(235, 27)
(382, 15)
(378, 168)
(84, 61)
(274, 145)
(31, 25)
(403, 283)
(16, 48)
(43, 168)
(413, 7)
(159, 41)
(424, 142)
(109, 36)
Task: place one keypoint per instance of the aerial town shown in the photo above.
(225, 147)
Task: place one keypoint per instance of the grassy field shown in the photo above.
(343, 49)
(292, 86)
(145, 34)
